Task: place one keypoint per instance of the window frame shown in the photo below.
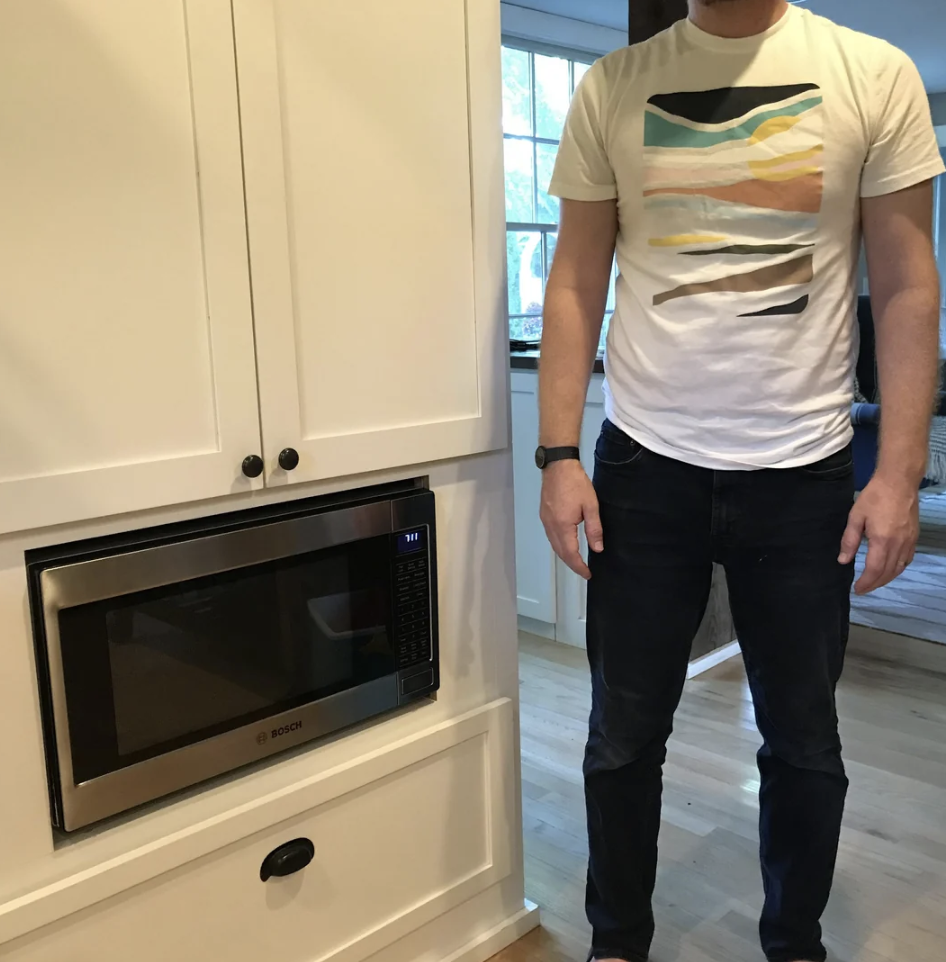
(574, 57)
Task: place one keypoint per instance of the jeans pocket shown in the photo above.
(615, 449)
(833, 467)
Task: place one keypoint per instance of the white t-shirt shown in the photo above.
(738, 166)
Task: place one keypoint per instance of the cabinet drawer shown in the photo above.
(390, 856)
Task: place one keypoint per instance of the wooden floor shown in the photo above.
(889, 903)
(915, 604)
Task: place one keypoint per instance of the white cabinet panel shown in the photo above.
(375, 231)
(127, 375)
(401, 837)
(572, 589)
(535, 560)
(548, 591)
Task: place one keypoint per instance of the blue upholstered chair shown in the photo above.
(865, 417)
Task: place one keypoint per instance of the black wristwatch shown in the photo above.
(546, 456)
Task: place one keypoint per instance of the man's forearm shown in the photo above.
(570, 334)
(907, 332)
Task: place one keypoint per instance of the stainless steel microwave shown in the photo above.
(178, 653)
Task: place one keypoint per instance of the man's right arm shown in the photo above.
(575, 300)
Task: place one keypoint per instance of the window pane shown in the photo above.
(527, 328)
(604, 333)
(551, 96)
(550, 241)
(580, 70)
(519, 174)
(547, 212)
(524, 264)
(939, 241)
(517, 92)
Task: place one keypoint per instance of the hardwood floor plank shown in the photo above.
(915, 604)
(889, 903)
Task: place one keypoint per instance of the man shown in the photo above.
(734, 161)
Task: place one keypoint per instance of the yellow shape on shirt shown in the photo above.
(783, 159)
(780, 176)
(773, 127)
(682, 240)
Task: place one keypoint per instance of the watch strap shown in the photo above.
(547, 456)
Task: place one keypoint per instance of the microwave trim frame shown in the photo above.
(212, 546)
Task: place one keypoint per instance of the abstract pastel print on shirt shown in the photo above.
(733, 187)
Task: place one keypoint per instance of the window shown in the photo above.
(537, 89)
(939, 244)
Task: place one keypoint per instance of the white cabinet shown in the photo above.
(375, 230)
(549, 593)
(552, 598)
(127, 376)
(403, 836)
(159, 158)
(535, 561)
(573, 590)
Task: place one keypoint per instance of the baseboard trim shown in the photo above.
(491, 943)
(716, 657)
(541, 629)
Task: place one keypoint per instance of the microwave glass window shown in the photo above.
(191, 660)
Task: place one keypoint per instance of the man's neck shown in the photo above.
(737, 18)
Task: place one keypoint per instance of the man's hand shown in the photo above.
(888, 515)
(904, 287)
(568, 499)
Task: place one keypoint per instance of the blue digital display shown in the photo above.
(411, 541)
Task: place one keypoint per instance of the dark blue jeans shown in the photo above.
(778, 534)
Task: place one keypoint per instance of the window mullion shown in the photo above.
(535, 182)
(549, 141)
(537, 226)
(532, 91)
(535, 129)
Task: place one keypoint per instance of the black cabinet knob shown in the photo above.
(287, 859)
(253, 466)
(288, 459)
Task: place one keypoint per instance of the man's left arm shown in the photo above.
(904, 286)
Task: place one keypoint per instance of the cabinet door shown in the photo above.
(373, 163)
(127, 375)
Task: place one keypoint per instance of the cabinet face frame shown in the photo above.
(107, 486)
(335, 453)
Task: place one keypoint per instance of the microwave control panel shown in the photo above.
(412, 598)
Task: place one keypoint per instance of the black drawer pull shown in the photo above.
(288, 459)
(288, 859)
(253, 466)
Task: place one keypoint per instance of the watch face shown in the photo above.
(540, 458)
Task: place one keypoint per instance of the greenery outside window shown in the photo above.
(537, 90)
